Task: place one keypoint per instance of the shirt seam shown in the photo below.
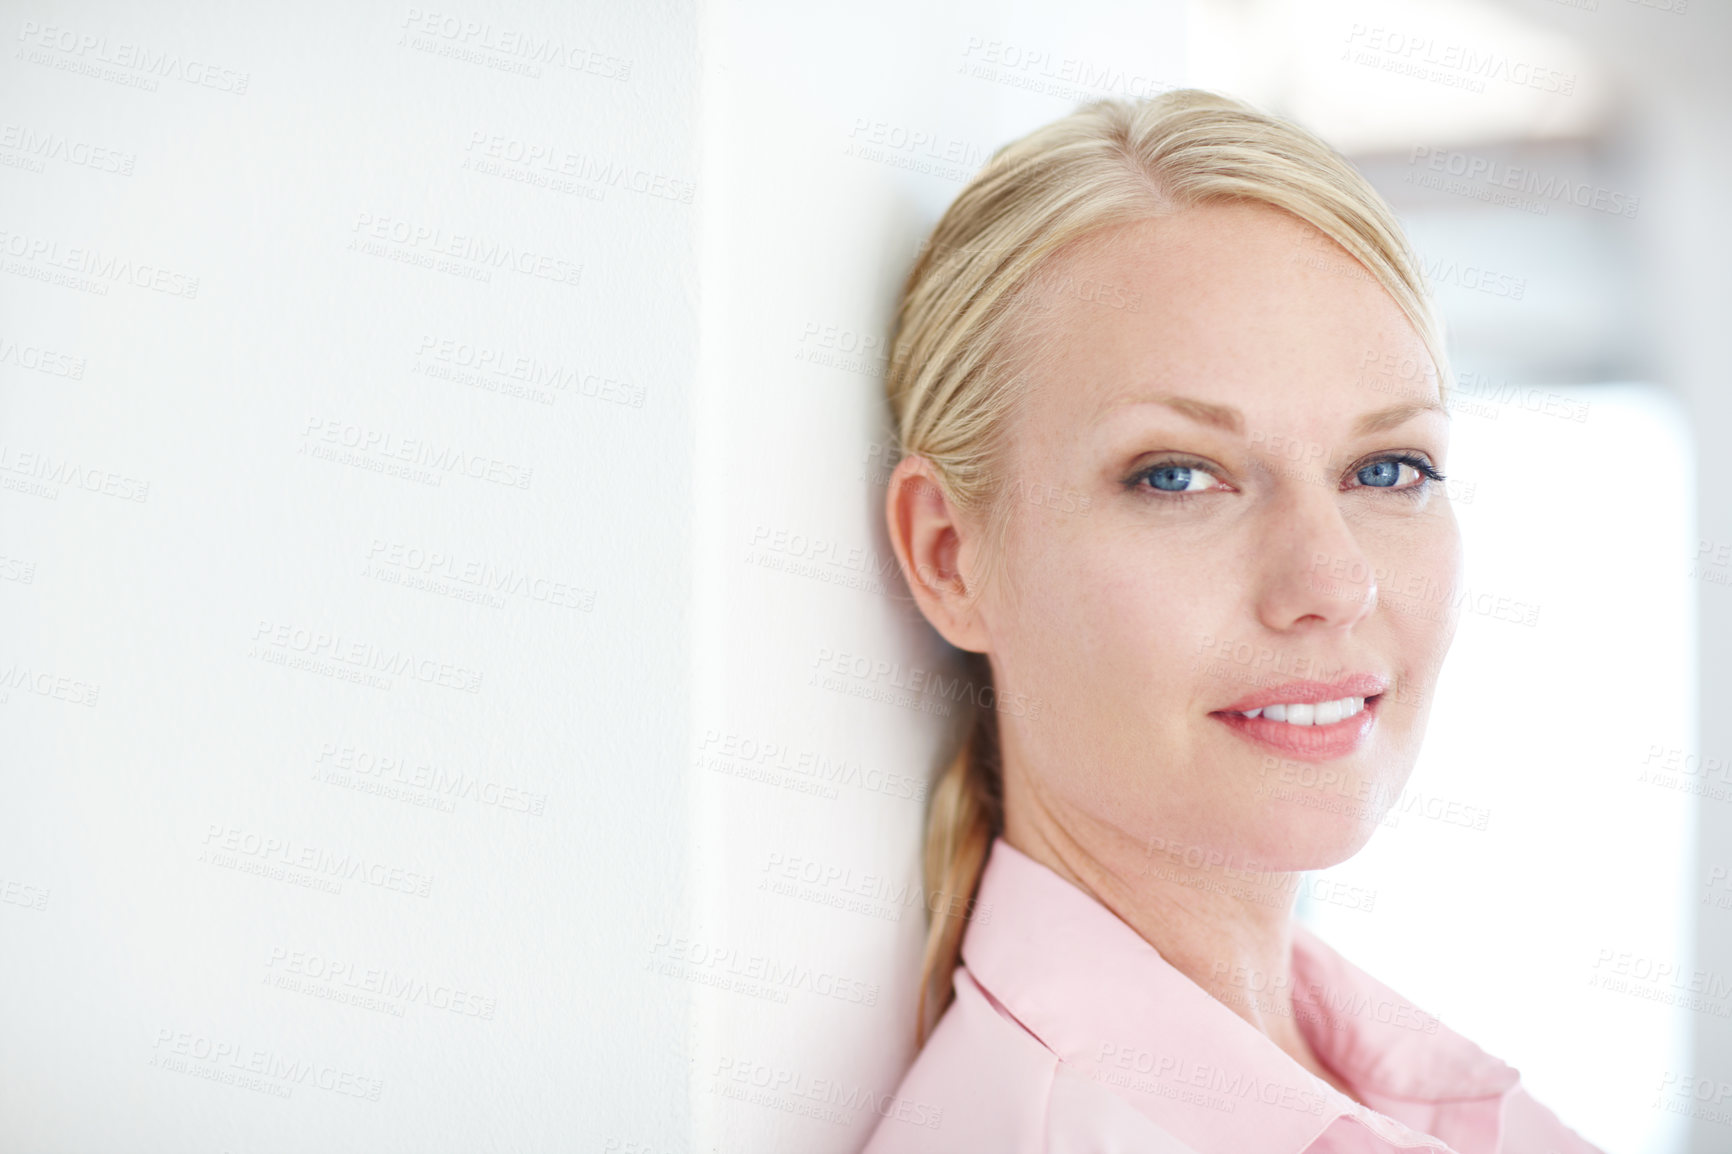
(1005, 1011)
(1428, 1141)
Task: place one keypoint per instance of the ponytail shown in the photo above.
(967, 813)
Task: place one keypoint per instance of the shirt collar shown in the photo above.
(1104, 1000)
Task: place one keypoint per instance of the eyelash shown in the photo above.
(1428, 476)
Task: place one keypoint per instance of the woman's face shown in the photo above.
(1219, 501)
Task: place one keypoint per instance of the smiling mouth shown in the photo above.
(1311, 713)
(1307, 731)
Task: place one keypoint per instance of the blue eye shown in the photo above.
(1173, 478)
(1386, 473)
(1380, 474)
(1180, 478)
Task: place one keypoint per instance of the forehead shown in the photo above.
(1239, 303)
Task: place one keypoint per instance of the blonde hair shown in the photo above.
(960, 336)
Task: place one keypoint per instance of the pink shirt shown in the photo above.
(1071, 1035)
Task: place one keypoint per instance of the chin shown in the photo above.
(1315, 817)
(1329, 843)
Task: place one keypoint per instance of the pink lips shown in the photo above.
(1308, 742)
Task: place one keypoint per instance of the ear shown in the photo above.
(938, 551)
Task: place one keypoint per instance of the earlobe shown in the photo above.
(930, 537)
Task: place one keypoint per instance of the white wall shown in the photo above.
(147, 969)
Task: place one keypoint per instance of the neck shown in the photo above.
(1226, 927)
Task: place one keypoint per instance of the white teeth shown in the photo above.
(1321, 713)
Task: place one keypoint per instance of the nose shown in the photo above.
(1314, 574)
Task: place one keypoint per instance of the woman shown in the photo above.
(1170, 474)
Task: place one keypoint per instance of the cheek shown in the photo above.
(1423, 571)
(1105, 634)
(1158, 603)
(1420, 582)
(1113, 612)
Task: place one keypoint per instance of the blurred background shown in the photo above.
(442, 454)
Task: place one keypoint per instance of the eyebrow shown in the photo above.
(1227, 418)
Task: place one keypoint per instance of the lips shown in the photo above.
(1308, 742)
(1312, 692)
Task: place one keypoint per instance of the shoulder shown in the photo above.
(984, 1080)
